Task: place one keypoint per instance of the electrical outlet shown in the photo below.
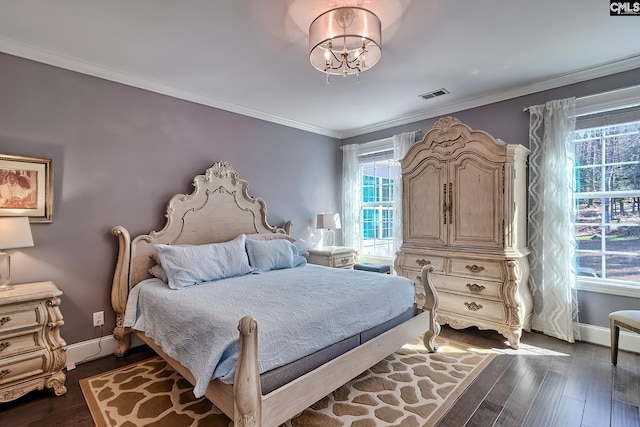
(98, 318)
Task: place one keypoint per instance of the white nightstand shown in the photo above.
(32, 353)
(334, 256)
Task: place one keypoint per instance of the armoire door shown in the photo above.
(475, 203)
(424, 203)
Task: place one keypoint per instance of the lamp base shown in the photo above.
(330, 238)
(6, 287)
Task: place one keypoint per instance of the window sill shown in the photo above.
(595, 285)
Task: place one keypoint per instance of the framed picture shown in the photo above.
(26, 187)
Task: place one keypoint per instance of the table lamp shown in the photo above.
(15, 232)
(329, 222)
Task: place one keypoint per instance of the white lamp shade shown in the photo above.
(330, 221)
(15, 232)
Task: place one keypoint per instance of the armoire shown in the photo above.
(464, 209)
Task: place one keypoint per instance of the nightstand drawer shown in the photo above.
(24, 316)
(19, 368)
(343, 261)
(333, 256)
(20, 344)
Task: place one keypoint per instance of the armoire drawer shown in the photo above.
(476, 268)
(468, 286)
(417, 261)
(475, 307)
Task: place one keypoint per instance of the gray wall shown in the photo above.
(507, 121)
(120, 153)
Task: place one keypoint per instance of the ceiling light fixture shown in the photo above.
(345, 41)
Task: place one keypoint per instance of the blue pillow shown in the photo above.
(265, 255)
(191, 265)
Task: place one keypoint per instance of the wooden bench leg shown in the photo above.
(615, 334)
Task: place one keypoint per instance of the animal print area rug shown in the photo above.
(410, 388)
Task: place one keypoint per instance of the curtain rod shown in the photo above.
(609, 97)
(418, 132)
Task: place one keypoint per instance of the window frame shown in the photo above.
(369, 153)
(594, 104)
(379, 207)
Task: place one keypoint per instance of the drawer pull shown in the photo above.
(474, 268)
(423, 262)
(4, 320)
(419, 278)
(473, 306)
(4, 345)
(474, 287)
(345, 260)
(4, 373)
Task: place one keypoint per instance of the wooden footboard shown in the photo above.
(251, 408)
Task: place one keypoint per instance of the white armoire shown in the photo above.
(465, 212)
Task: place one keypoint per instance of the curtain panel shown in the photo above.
(401, 144)
(350, 196)
(551, 219)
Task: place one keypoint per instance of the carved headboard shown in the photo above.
(218, 210)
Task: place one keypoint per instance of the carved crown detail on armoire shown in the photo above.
(464, 212)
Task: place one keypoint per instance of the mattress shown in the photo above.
(299, 312)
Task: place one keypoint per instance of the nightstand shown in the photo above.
(334, 256)
(32, 353)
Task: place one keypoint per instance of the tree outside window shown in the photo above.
(607, 200)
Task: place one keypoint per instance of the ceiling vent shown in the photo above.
(434, 94)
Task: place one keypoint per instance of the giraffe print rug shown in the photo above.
(410, 388)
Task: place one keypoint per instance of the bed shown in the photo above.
(251, 392)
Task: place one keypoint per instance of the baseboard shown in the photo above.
(97, 348)
(601, 336)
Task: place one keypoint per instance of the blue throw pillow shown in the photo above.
(190, 265)
(265, 255)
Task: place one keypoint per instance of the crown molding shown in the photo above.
(563, 80)
(48, 57)
(45, 56)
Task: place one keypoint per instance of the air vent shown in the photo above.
(433, 94)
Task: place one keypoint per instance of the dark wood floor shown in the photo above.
(546, 383)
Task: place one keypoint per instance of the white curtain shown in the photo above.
(551, 219)
(350, 196)
(401, 144)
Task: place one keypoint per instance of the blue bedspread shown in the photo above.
(298, 310)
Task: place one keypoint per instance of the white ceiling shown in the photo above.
(251, 56)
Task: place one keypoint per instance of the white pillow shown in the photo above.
(265, 255)
(191, 265)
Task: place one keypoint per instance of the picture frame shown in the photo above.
(26, 187)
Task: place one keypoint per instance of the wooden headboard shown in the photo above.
(218, 210)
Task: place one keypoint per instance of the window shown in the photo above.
(607, 198)
(376, 206)
(377, 176)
